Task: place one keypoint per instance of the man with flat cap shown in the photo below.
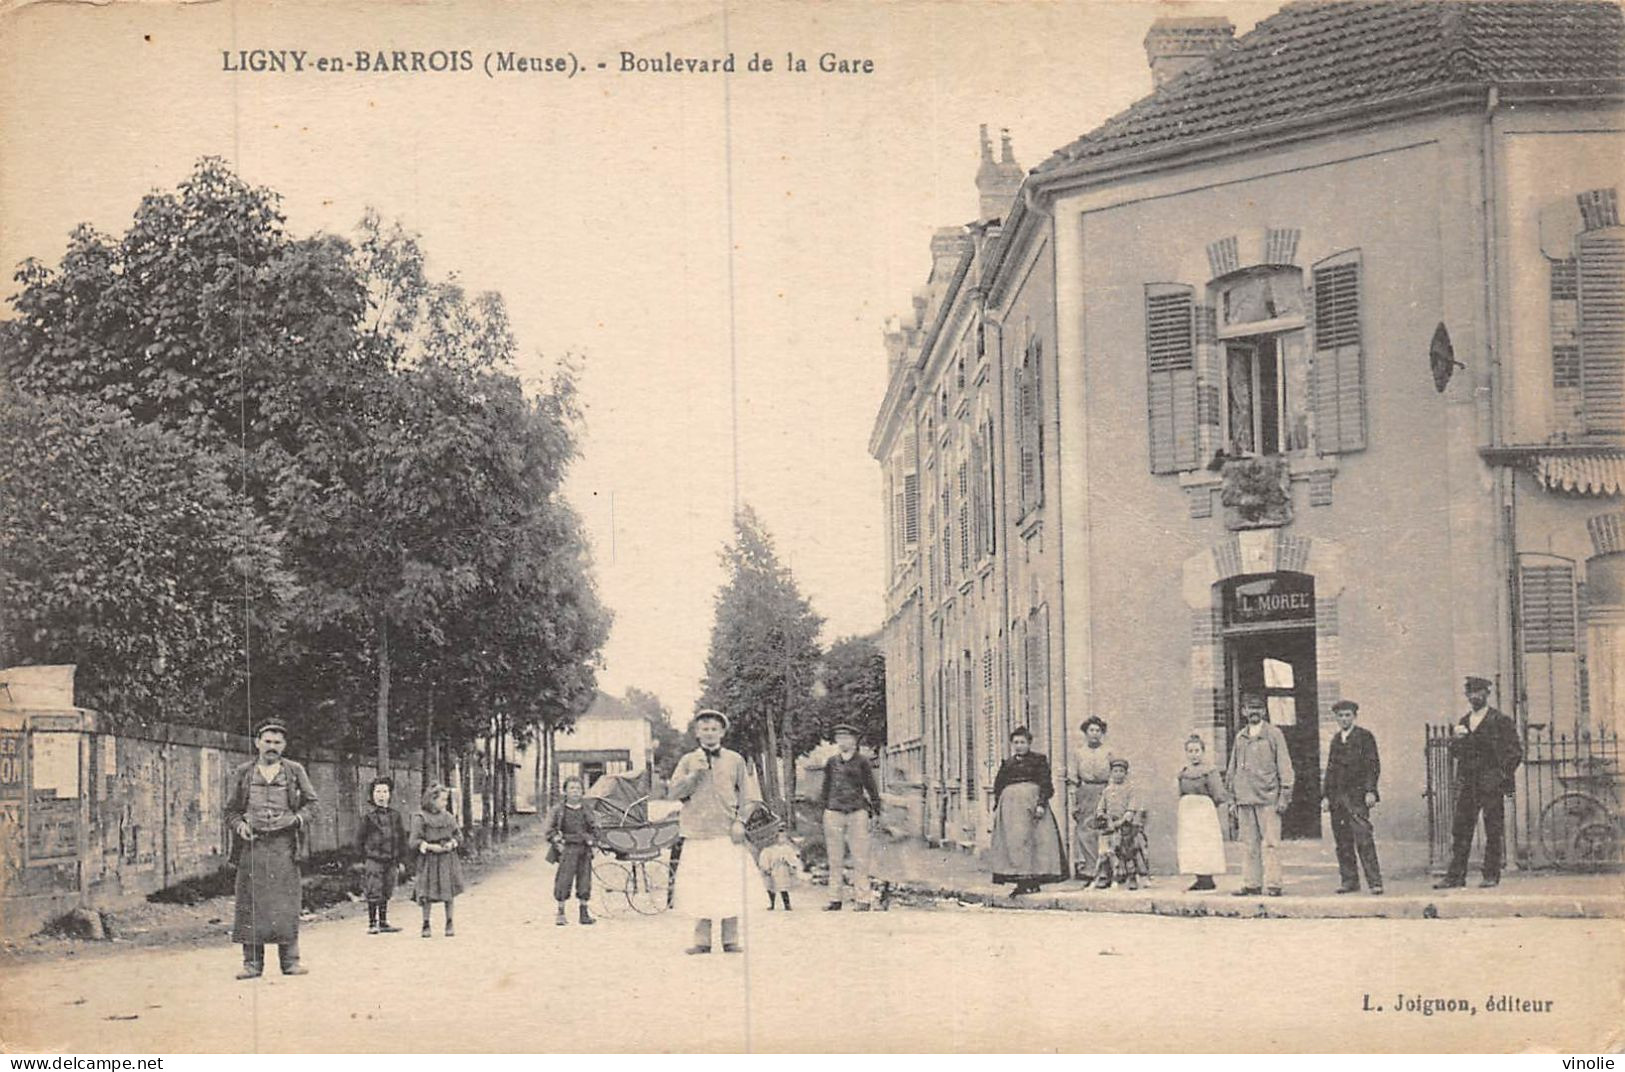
(1349, 792)
(1485, 751)
(851, 799)
(270, 804)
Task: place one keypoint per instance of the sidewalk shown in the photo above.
(1311, 879)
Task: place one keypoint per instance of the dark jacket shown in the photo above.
(572, 826)
(1486, 757)
(381, 835)
(301, 802)
(1352, 767)
(1032, 767)
(849, 785)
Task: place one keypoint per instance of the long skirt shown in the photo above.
(712, 880)
(268, 890)
(1201, 848)
(440, 877)
(1025, 848)
(1085, 841)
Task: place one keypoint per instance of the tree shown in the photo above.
(670, 743)
(368, 420)
(764, 651)
(854, 679)
(126, 552)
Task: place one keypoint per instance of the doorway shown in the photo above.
(1270, 649)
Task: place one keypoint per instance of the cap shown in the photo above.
(1118, 761)
(718, 715)
(1346, 705)
(844, 727)
(272, 726)
(1479, 683)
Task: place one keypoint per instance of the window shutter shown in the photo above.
(911, 509)
(1170, 351)
(1548, 609)
(1550, 653)
(1337, 379)
(1035, 422)
(964, 519)
(1601, 256)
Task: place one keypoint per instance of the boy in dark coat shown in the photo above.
(381, 843)
(1349, 792)
(573, 830)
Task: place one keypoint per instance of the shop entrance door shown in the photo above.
(1270, 649)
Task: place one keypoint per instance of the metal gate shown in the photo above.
(1571, 799)
(1437, 793)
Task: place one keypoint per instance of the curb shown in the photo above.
(1443, 905)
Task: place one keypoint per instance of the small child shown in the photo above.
(435, 837)
(1120, 818)
(573, 830)
(781, 866)
(381, 842)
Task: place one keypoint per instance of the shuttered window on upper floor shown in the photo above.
(1170, 351)
(1337, 367)
(1600, 288)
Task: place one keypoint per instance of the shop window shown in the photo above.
(1279, 692)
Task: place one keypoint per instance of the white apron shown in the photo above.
(1201, 849)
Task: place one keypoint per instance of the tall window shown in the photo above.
(1588, 321)
(1266, 372)
(1030, 424)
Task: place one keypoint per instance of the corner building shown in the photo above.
(1304, 375)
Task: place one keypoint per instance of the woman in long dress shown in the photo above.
(1201, 793)
(1089, 773)
(1026, 842)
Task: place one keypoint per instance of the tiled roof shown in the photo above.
(1317, 59)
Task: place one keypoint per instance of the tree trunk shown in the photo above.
(383, 696)
(430, 773)
(485, 784)
(536, 773)
(770, 774)
(465, 775)
(789, 785)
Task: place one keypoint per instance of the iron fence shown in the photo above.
(1571, 799)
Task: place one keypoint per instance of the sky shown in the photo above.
(705, 244)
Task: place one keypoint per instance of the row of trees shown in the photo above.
(245, 473)
(781, 690)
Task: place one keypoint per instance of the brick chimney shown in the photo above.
(1176, 45)
(997, 180)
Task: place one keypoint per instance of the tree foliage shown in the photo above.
(399, 518)
(853, 675)
(764, 646)
(125, 551)
(670, 742)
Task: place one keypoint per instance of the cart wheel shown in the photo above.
(611, 878)
(1576, 830)
(648, 887)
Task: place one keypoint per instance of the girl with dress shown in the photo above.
(435, 837)
(1201, 793)
(1026, 842)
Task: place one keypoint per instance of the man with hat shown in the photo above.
(1348, 792)
(717, 793)
(1261, 782)
(270, 803)
(851, 798)
(1485, 752)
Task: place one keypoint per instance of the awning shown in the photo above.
(1599, 473)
